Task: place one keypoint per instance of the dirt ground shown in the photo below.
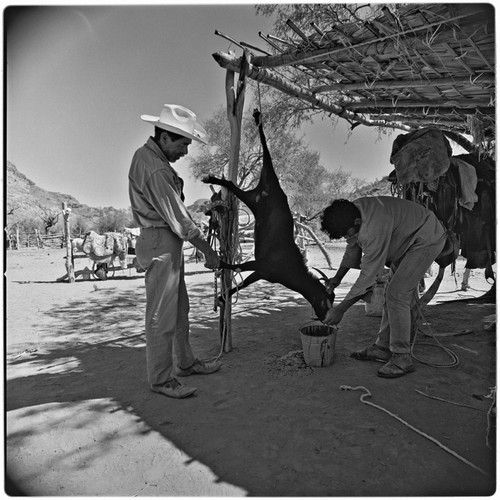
(80, 419)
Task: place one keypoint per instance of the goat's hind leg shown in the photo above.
(250, 265)
(268, 176)
(252, 278)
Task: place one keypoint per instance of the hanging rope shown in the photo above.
(453, 356)
(214, 241)
(418, 431)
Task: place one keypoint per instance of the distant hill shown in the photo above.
(23, 193)
(25, 201)
(24, 198)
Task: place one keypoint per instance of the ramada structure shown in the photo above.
(414, 66)
(409, 67)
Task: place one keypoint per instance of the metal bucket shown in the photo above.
(318, 344)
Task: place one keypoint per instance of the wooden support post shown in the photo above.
(229, 225)
(67, 236)
(465, 280)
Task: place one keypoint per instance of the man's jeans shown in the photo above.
(159, 251)
(401, 294)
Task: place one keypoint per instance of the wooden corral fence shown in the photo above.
(21, 239)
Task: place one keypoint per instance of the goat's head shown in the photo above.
(322, 301)
(322, 304)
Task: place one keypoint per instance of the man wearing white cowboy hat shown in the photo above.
(157, 203)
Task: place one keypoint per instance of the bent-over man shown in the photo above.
(392, 232)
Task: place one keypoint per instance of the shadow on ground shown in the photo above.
(272, 433)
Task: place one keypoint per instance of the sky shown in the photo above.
(78, 78)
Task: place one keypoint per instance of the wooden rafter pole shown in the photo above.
(231, 62)
(480, 81)
(398, 112)
(414, 103)
(312, 56)
(235, 98)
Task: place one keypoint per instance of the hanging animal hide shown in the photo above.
(423, 155)
(473, 222)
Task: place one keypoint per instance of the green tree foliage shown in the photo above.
(308, 185)
(79, 225)
(323, 15)
(308, 17)
(282, 110)
(214, 159)
(26, 224)
(287, 150)
(110, 219)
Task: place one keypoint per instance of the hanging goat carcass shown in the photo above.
(277, 257)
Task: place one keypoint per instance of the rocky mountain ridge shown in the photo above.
(24, 198)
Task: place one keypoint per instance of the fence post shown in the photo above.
(39, 242)
(67, 236)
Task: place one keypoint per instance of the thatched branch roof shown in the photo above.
(418, 65)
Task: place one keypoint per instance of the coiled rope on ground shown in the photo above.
(368, 394)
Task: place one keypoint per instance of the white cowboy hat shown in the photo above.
(180, 120)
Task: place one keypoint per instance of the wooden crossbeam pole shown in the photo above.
(480, 81)
(229, 61)
(424, 103)
(425, 110)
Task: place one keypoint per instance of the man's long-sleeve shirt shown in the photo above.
(389, 227)
(155, 192)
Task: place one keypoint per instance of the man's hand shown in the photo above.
(334, 316)
(212, 260)
(332, 283)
